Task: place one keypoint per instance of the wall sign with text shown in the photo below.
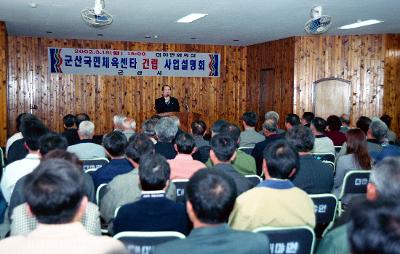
(133, 63)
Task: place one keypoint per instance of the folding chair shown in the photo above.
(324, 156)
(143, 242)
(337, 149)
(116, 211)
(100, 192)
(325, 206)
(92, 165)
(331, 164)
(180, 189)
(293, 240)
(247, 150)
(254, 179)
(355, 182)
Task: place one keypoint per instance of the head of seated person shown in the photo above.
(51, 141)
(199, 128)
(80, 118)
(291, 120)
(86, 130)
(138, 147)
(69, 121)
(114, 144)
(307, 118)
(54, 192)
(249, 119)
(210, 197)
(118, 122)
(154, 172)
(270, 126)
(148, 127)
(166, 130)
(377, 130)
(32, 130)
(223, 149)
(217, 126)
(280, 160)
(233, 131)
(363, 123)
(375, 228)
(318, 126)
(301, 138)
(384, 180)
(333, 123)
(185, 144)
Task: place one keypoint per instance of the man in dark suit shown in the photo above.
(166, 103)
(70, 132)
(153, 212)
(211, 196)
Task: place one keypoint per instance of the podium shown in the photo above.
(186, 118)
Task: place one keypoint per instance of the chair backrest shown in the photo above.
(355, 182)
(324, 156)
(100, 192)
(293, 240)
(331, 164)
(94, 164)
(116, 211)
(337, 149)
(325, 206)
(180, 185)
(247, 150)
(144, 242)
(254, 179)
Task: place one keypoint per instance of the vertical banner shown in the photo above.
(133, 63)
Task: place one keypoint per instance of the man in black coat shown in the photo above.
(166, 103)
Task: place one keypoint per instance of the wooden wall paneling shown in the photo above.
(392, 80)
(356, 58)
(279, 56)
(103, 96)
(3, 84)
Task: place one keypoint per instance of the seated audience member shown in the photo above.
(270, 128)
(70, 132)
(16, 136)
(32, 130)
(222, 153)
(374, 228)
(334, 132)
(125, 188)
(275, 202)
(217, 126)
(383, 185)
(376, 136)
(291, 121)
(165, 130)
(322, 143)
(86, 148)
(345, 120)
(273, 115)
(243, 163)
(183, 166)
(199, 129)
(80, 118)
(387, 151)
(153, 211)
(129, 127)
(21, 221)
(55, 196)
(356, 157)
(114, 144)
(18, 149)
(56, 150)
(363, 123)
(211, 196)
(148, 128)
(249, 137)
(178, 125)
(391, 136)
(307, 118)
(313, 176)
(118, 122)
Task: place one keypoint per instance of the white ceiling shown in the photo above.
(249, 21)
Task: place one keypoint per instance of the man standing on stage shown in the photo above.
(166, 103)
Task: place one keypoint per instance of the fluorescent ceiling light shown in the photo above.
(191, 17)
(361, 23)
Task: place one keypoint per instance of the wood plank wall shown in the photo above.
(391, 104)
(103, 96)
(3, 84)
(359, 59)
(279, 56)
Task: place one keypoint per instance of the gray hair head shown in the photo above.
(270, 125)
(148, 127)
(118, 121)
(129, 124)
(176, 120)
(166, 129)
(86, 129)
(385, 175)
(272, 115)
(378, 128)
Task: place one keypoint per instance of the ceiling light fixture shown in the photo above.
(191, 17)
(360, 23)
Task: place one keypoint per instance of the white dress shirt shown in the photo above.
(15, 171)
